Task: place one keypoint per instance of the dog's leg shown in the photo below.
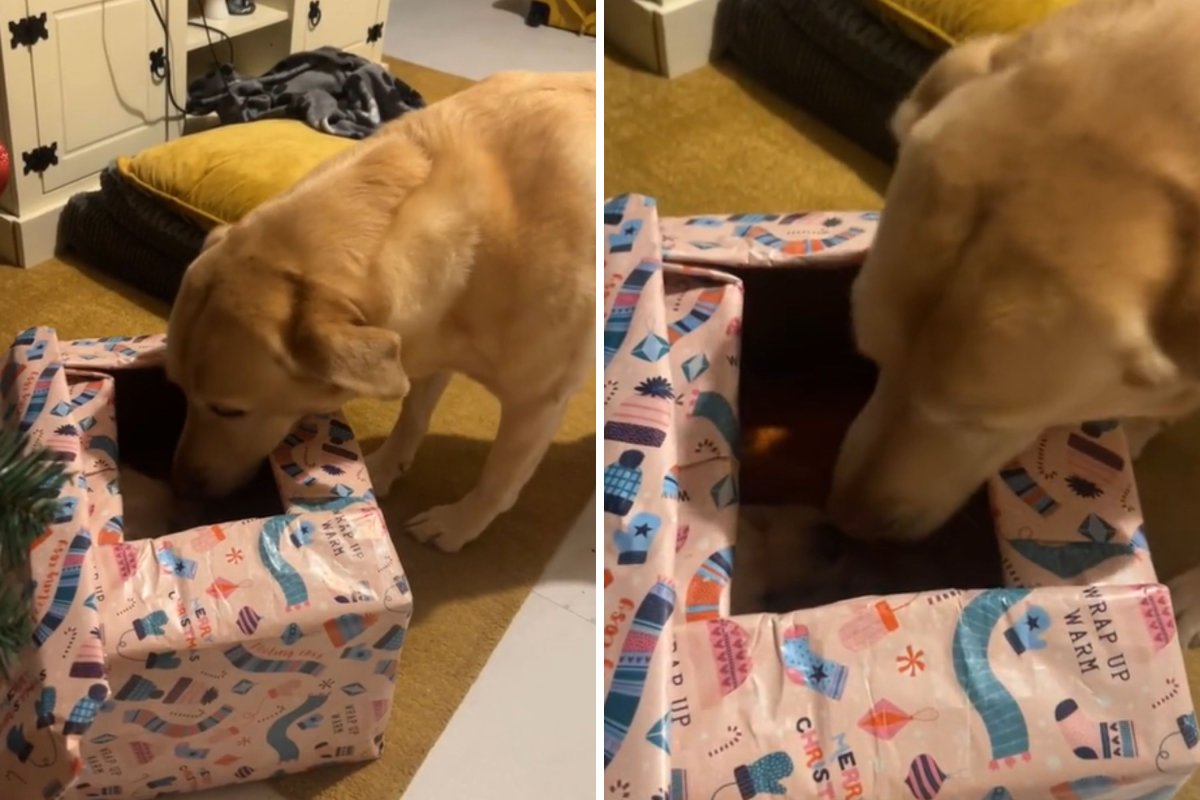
(1185, 597)
(392, 459)
(526, 430)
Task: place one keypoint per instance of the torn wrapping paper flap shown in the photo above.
(1069, 683)
(221, 654)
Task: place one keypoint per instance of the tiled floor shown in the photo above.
(475, 38)
(528, 725)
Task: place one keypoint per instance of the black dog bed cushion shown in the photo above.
(836, 59)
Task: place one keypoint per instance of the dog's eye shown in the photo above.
(228, 413)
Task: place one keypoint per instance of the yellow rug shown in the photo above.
(463, 602)
(715, 141)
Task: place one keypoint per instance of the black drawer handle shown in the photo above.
(314, 13)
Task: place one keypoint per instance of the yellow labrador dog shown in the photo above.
(1038, 263)
(460, 238)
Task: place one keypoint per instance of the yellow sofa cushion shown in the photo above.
(219, 175)
(948, 22)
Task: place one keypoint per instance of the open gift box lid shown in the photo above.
(152, 659)
(1069, 683)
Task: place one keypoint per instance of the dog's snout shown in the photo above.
(863, 517)
(856, 520)
(190, 484)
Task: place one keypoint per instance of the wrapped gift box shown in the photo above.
(229, 652)
(1065, 682)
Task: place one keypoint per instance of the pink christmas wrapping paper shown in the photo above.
(1067, 683)
(216, 655)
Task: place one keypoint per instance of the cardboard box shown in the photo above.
(1066, 682)
(230, 652)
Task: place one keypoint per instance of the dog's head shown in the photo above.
(255, 345)
(1035, 266)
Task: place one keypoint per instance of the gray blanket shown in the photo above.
(332, 91)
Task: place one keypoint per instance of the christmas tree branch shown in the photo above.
(29, 486)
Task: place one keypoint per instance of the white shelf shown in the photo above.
(263, 16)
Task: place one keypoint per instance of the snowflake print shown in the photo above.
(1083, 487)
(327, 684)
(912, 661)
(245, 740)
(235, 555)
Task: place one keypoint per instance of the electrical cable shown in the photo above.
(166, 61)
(162, 68)
(213, 29)
(212, 48)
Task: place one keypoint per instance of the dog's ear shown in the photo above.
(214, 236)
(332, 342)
(961, 65)
(362, 359)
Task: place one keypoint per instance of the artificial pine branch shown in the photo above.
(30, 482)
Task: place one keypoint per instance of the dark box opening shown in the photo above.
(150, 415)
(802, 384)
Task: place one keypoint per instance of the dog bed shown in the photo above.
(940, 23)
(837, 60)
(149, 218)
(131, 236)
(240, 649)
(1068, 681)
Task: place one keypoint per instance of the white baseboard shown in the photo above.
(671, 37)
(32, 238)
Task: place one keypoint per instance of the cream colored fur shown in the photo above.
(1038, 263)
(458, 239)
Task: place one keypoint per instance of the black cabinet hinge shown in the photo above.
(39, 159)
(375, 33)
(158, 63)
(28, 31)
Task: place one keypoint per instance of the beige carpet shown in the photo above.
(715, 141)
(464, 602)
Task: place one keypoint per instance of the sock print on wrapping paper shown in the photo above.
(1092, 740)
(809, 669)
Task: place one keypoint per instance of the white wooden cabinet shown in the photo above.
(346, 26)
(78, 87)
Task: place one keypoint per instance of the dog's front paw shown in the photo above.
(1185, 597)
(383, 471)
(447, 527)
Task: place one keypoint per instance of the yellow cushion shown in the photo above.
(948, 22)
(578, 16)
(219, 175)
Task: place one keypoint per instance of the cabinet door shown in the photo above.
(344, 24)
(18, 127)
(96, 96)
